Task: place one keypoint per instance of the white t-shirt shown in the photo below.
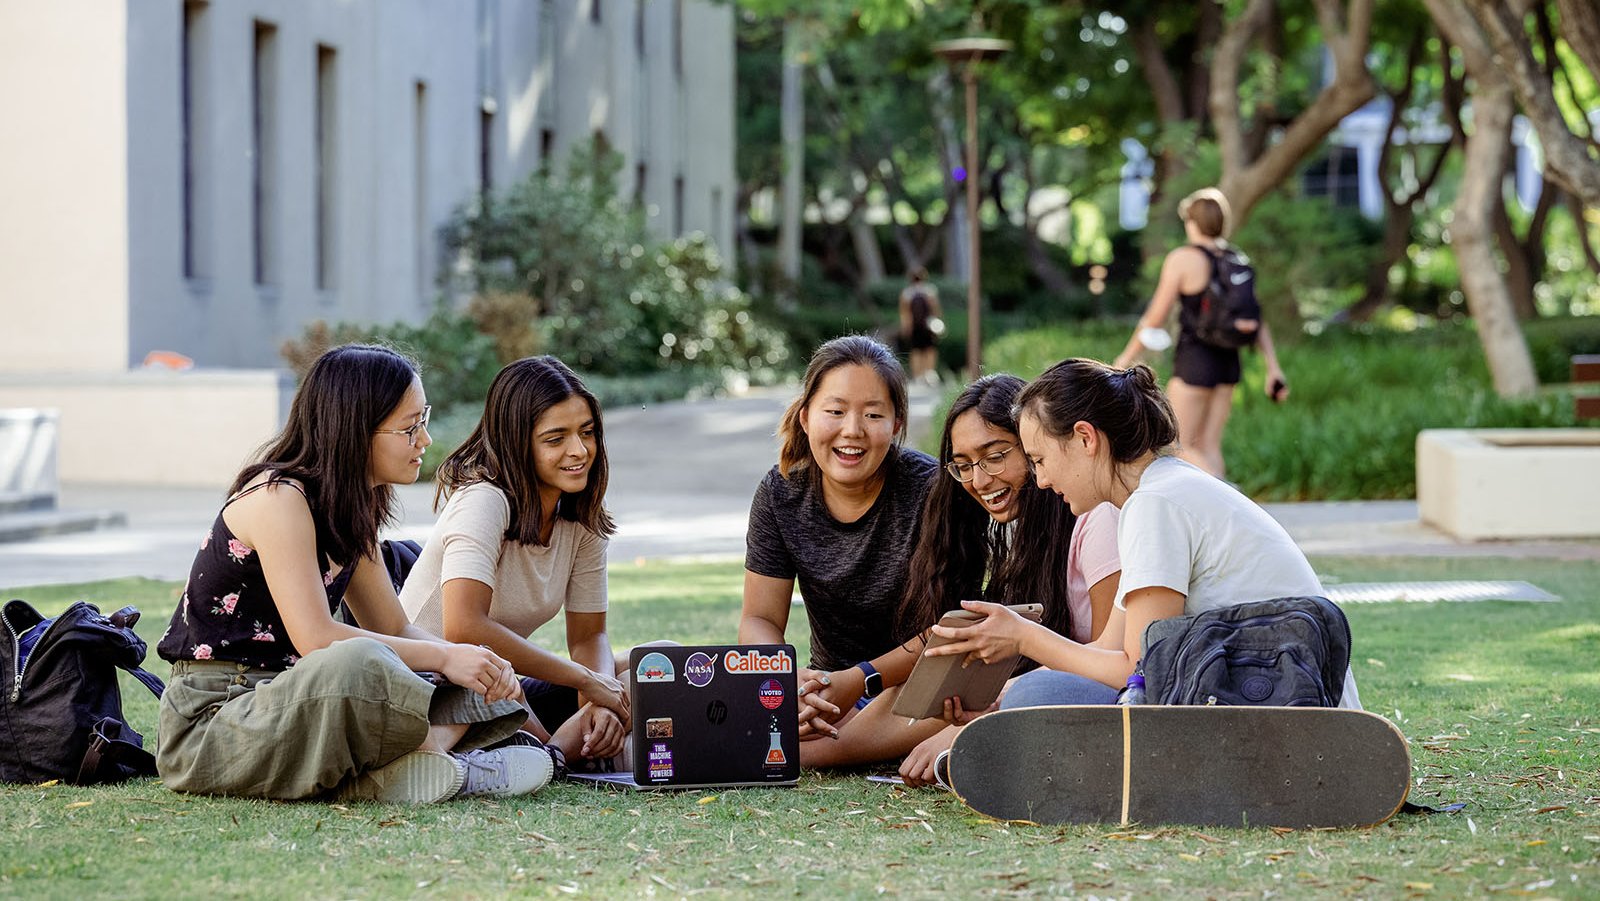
(1091, 557)
(1185, 530)
(531, 584)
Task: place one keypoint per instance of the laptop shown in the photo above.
(711, 716)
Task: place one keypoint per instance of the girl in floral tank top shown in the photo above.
(272, 697)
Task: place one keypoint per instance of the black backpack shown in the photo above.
(1229, 297)
(60, 707)
(1286, 652)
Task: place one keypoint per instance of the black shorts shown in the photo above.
(1203, 365)
(921, 338)
(552, 704)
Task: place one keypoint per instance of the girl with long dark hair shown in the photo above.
(838, 515)
(272, 697)
(522, 537)
(988, 532)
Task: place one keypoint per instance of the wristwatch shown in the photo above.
(874, 685)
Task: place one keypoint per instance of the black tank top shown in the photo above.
(226, 612)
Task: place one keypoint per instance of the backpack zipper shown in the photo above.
(16, 650)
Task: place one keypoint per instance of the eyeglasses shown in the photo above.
(994, 464)
(410, 433)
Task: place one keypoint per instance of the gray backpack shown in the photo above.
(1286, 652)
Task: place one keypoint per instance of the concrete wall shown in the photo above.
(63, 186)
(157, 428)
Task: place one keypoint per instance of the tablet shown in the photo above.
(935, 678)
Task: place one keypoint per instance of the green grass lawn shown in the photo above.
(1500, 701)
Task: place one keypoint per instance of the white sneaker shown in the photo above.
(514, 770)
(420, 777)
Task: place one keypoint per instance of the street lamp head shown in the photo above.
(971, 50)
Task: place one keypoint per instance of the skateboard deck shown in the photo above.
(1211, 766)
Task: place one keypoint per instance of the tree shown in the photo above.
(1572, 160)
(1472, 227)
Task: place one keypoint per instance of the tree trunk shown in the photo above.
(1568, 160)
(1245, 180)
(1396, 238)
(792, 125)
(1471, 234)
(1580, 25)
(951, 155)
(869, 256)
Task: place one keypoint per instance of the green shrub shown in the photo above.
(1554, 342)
(457, 361)
(1357, 402)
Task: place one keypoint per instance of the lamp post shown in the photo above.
(968, 53)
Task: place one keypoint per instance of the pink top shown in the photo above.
(1091, 557)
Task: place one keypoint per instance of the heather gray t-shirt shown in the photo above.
(850, 574)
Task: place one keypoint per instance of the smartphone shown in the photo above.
(1276, 392)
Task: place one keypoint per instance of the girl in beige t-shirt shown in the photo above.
(522, 537)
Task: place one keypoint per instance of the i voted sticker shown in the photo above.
(770, 694)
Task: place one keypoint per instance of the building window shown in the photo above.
(677, 206)
(640, 173)
(677, 38)
(193, 84)
(1336, 176)
(419, 203)
(327, 161)
(547, 147)
(485, 153)
(716, 214)
(264, 151)
(594, 11)
(638, 27)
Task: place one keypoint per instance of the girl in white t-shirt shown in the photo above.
(1188, 542)
(522, 537)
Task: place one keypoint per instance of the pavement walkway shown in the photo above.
(682, 474)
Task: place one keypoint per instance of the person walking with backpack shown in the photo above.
(920, 326)
(1214, 287)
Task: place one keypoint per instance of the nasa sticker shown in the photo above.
(655, 668)
(699, 669)
(770, 694)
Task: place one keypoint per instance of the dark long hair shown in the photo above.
(327, 445)
(1125, 404)
(500, 450)
(849, 350)
(961, 544)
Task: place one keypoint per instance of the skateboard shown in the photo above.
(1210, 766)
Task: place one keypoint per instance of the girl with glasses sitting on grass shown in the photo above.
(989, 532)
(270, 696)
(521, 538)
(838, 515)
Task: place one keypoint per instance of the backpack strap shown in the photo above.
(147, 679)
(111, 757)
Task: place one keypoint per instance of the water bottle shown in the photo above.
(1134, 692)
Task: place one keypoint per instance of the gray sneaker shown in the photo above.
(420, 777)
(513, 770)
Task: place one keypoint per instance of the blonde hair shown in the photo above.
(1208, 209)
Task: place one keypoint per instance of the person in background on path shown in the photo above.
(989, 532)
(838, 515)
(270, 696)
(522, 537)
(921, 326)
(1203, 375)
(1188, 542)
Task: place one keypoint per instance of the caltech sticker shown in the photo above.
(699, 669)
(770, 694)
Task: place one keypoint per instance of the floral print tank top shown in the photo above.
(226, 612)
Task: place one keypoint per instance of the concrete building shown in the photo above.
(206, 177)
